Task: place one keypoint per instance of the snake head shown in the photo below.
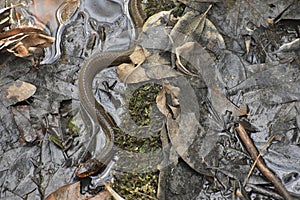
(90, 167)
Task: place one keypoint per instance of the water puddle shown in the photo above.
(107, 22)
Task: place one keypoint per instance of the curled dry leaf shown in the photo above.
(25, 41)
(20, 91)
(185, 48)
(167, 101)
(187, 29)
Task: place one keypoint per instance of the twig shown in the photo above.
(113, 192)
(260, 163)
(259, 155)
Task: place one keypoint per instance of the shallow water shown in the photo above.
(106, 20)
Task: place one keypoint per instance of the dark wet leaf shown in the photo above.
(22, 120)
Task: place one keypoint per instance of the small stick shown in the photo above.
(260, 163)
(260, 154)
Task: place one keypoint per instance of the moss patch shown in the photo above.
(139, 185)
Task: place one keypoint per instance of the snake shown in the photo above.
(91, 107)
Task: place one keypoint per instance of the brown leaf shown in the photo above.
(21, 29)
(72, 191)
(161, 102)
(66, 10)
(25, 41)
(19, 50)
(221, 104)
(19, 91)
(169, 105)
(38, 40)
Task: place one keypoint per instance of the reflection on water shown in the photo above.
(103, 11)
(106, 22)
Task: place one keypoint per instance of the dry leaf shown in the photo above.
(221, 104)
(129, 74)
(38, 40)
(138, 56)
(66, 10)
(187, 26)
(72, 191)
(25, 41)
(161, 102)
(160, 71)
(185, 48)
(155, 20)
(212, 36)
(19, 91)
(169, 105)
(19, 50)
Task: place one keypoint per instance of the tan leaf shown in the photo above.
(138, 56)
(160, 71)
(21, 29)
(20, 90)
(130, 74)
(161, 102)
(247, 44)
(25, 41)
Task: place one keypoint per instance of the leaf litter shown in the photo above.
(229, 88)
